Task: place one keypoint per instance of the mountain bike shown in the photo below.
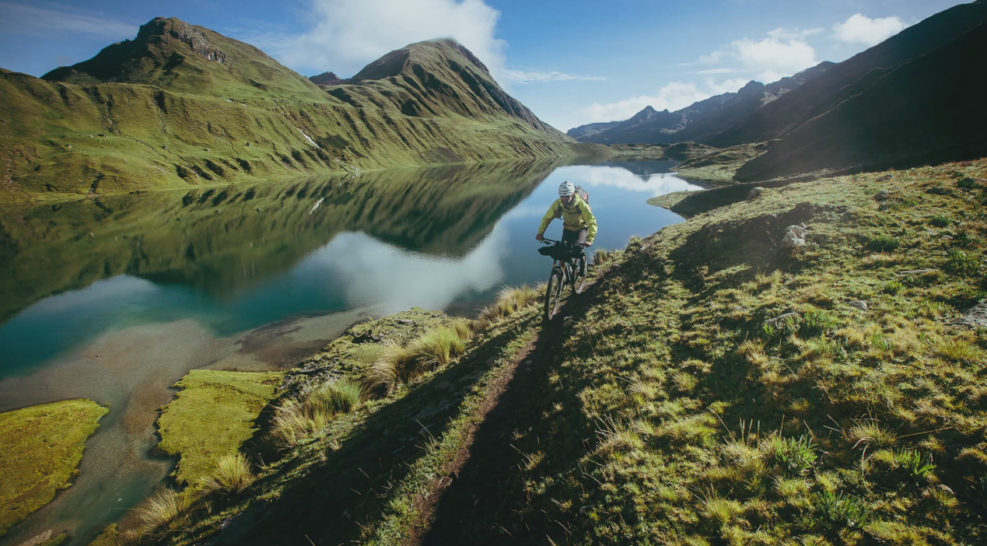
(568, 271)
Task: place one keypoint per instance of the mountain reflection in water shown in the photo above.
(239, 257)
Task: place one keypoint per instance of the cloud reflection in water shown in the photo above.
(373, 273)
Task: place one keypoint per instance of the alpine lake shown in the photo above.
(115, 299)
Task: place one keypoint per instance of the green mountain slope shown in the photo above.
(182, 105)
(924, 111)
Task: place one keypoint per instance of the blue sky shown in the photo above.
(571, 62)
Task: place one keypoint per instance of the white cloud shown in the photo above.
(526, 76)
(718, 71)
(31, 20)
(674, 96)
(860, 29)
(794, 34)
(783, 53)
(775, 57)
(345, 35)
(728, 86)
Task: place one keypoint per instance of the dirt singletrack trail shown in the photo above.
(478, 497)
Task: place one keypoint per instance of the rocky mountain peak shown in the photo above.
(326, 78)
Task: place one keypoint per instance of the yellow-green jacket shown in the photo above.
(575, 217)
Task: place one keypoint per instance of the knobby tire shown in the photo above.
(553, 293)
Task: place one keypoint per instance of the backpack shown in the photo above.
(583, 194)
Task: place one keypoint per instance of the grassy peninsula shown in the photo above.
(212, 416)
(42, 447)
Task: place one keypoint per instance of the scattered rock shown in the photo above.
(755, 193)
(781, 319)
(882, 195)
(884, 178)
(858, 304)
(917, 272)
(794, 237)
(974, 318)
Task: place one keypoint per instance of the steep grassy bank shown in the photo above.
(724, 390)
(42, 445)
(182, 105)
(363, 454)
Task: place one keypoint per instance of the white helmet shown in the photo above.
(566, 189)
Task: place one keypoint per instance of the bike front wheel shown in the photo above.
(579, 276)
(553, 293)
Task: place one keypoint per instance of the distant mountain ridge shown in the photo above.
(182, 104)
(701, 119)
(924, 111)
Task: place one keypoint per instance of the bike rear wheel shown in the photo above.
(553, 293)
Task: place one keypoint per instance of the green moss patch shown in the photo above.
(212, 416)
(42, 445)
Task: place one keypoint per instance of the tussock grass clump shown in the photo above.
(509, 301)
(601, 256)
(871, 433)
(232, 474)
(162, 514)
(634, 242)
(297, 420)
(402, 364)
(440, 347)
(940, 220)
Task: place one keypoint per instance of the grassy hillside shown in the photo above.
(922, 112)
(839, 82)
(181, 105)
(723, 390)
(712, 387)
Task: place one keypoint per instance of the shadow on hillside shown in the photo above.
(337, 493)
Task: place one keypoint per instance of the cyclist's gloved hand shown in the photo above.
(538, 237)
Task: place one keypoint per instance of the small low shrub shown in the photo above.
(793, 455)
(841, 510)
(891, 287)
(961, 263)
(916, 465)
(967, 184)
(817, 322)
(940, 220)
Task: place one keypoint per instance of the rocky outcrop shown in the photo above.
(326, 78)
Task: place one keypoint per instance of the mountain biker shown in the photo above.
(578, 222)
